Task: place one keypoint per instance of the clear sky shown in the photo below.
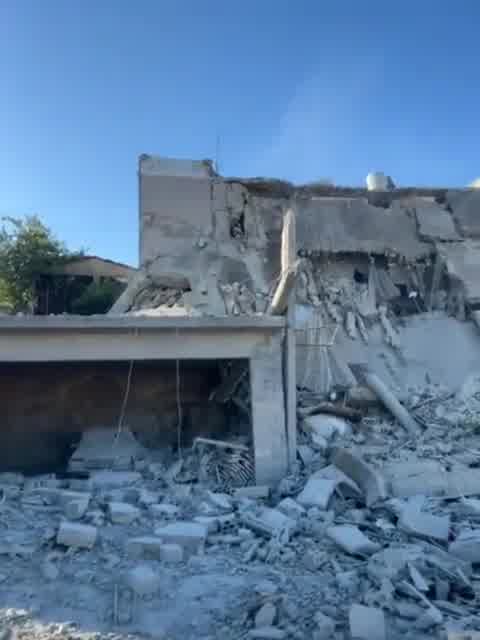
(299, 90)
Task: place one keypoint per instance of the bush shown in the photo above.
(97, 297)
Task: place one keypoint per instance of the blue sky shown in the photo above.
(299, 90)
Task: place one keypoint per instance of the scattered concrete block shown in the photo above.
(352, 540)
(370, 481)
(467, 546)
(424, 525)
(260, 491)
(146, 497)
(164, 510)
(123, 513)
(114, 479)
(221, 501)
(143, 580)
(189, 535)
(366, 623)
(64, 496)
(291, 508)
(171, 553)
(389, 562)
(267, 633)
(145, 547)
(76, 509)
(317, 492)
(72, 534)
(266, 616)
(325, 626)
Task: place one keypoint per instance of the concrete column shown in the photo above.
(268, 412)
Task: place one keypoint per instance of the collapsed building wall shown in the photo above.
(367, 260)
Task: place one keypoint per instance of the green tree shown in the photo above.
(27, 249)
(98, 297)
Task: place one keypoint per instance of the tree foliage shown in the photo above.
(27, 249)
(98, 297)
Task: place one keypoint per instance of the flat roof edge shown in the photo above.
(92, 323)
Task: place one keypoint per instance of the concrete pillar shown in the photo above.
(268, 413)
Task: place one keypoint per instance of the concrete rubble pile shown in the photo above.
(373, 534)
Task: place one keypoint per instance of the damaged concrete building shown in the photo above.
(275, 427)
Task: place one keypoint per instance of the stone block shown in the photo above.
(72, 534)
(123, 513)
(352, 540)
(191, 536)
(145, 547)
(366, 623)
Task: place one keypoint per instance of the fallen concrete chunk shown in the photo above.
(221, 501)
(266, 616)
(428, 478)
(291, 508)
(277, 521)
(114, 479)
(171, 553)
(76, 509)
(317, 492)
(143, 580)
(260, 491)
(467, 546)
(325, 626)
(424, 525)
(146, 547)
(123, 513)
(189, 535)
(370, 481)
(366, 623)
(72, 534)
(352, 540)
(267, 633)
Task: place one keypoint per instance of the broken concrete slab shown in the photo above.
(191, 536)
(424, 525)
(317, 492)
(123, 513)
(171, 553)
(352, 540)
(366, 623)
(266, 615)
(467, 546)
(368, 479)
(76, 509)
(73, 534)
(221, 501)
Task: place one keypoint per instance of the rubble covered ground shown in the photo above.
(374, 535)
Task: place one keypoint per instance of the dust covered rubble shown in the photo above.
(372, 535)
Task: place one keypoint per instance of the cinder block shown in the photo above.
(72, 534)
